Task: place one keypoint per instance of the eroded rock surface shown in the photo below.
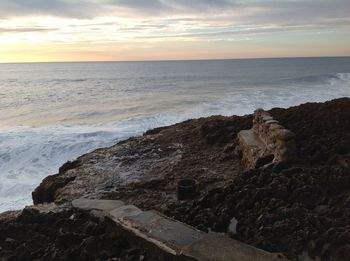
(146, 169)
(109, 169)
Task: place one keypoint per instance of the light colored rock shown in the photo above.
(267, 137)
(284, 134)
(124, 211)
(267, 118)
(215, 247)
(252, 147)
(96, 204)
(275, 126)
(167, 234)
(272, 121)
(107, 169)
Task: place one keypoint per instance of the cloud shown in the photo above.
(247, 31)
(170, 19)
(138, 4)
(93, 8)
(302, 11)
(59, 8)
(26, 30)
(289, 11)
(200, 5)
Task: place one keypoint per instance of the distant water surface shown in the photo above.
(53, 112)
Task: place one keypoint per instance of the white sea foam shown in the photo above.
(27, 155)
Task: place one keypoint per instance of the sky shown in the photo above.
(118, 30)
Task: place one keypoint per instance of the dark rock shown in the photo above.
(56, 236)
(278, 167)
(68, 166)
(222, 131)
(45, 192)
(342, 148)
(264, 160)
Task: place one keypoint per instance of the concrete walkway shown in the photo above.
(173, 237)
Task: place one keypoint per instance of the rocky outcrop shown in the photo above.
(157, 159)
(300, 208)
(267, 142)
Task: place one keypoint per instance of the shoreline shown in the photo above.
(292, 209)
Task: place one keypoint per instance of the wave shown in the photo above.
(319, 79)
(344, 76)
(68, 80)
(27, 155)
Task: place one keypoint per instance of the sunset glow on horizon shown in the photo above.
(114, 30)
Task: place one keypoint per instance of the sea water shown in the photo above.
(54, 112)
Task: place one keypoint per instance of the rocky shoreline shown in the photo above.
(299, 209)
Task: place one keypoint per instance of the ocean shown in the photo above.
(54, 112)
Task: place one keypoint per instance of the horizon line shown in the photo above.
(181, 60)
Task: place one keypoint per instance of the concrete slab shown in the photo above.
(176, 238)
(215, 247)
(174, 233)
(94, 204)
(170, 235)
(124, 211)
